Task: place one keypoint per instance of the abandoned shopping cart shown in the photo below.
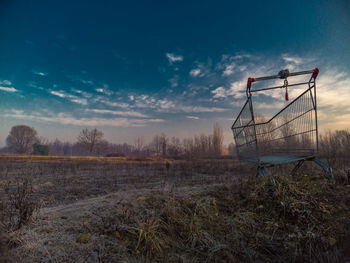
(289, 136)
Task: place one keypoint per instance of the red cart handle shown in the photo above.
(315, 73)
(249, 83)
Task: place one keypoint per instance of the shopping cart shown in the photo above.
(289, 136)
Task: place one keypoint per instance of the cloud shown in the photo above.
(198, 109)
(219, 92)
(174, 82)
(174, 58)
(67, 119)
(5, 82)
(72, 98)
(104, 90)
(79, 79)
(79, 101)
(39, 73)
(293, 59)
(229, 69)
(120, 113)
(192, 117)
(58, 94)
(83, 93)
(229, 65)
(236, 90)
(111, 103)
(8, 89)
(166, 105)
(195, 72)
(235, 57)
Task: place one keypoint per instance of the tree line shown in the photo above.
(24, 140)
(334, 146)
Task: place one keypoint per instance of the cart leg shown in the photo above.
(259, 172)
(326, 168)
(267, 171)
(264, 171)
(297, 166)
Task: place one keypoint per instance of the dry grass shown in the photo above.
(304, 220)
(57, 182)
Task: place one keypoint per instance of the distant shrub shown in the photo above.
(39, 149)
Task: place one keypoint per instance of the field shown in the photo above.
(134, 209)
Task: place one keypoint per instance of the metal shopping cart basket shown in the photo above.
(289, 136)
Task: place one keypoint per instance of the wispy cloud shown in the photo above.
(198, 109)
(120, 113)
(166, 105)
(172, 58)
(230, 65)
(5, 86)
(192, 117)
(58, 94)
(229, 69)
(5, 82)
(110, 103)
(83, 93)
(80, 101)
(294, 59)
(174, 81)
(8, 89)
(219, 92)
(67, 119)
(195, 72)
(80, 79)
(236, 90)
(39, 73)
(104, 90)
(72, 98)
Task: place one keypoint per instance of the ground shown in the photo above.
(132, 210)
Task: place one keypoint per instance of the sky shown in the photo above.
(140, 68)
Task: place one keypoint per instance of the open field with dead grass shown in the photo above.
(137, 210)
(59, 180)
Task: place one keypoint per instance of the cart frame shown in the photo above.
(290, 136)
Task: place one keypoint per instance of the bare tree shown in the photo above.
(188, 147)
(334, 147)
(218, 139)
(163, 143)
(174, 148)
(139, 144)
(21, 139)
(56, 147)
(90, 139)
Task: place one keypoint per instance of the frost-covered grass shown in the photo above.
(304, 220)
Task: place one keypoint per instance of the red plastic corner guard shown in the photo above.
(249, 83)
(315, 73)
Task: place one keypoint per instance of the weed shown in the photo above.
(19, 203)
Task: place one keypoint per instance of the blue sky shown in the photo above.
(136, 68)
